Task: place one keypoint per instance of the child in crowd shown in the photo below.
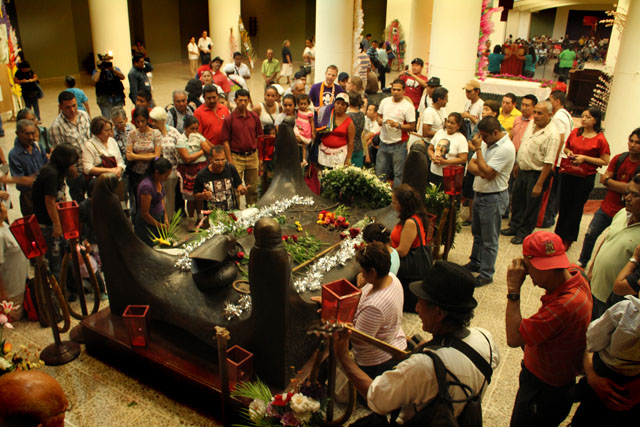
(372, 131)
(305, 127)
(191, 147)
(81, 97)
(288, 114)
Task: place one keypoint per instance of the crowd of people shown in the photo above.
(524, 161)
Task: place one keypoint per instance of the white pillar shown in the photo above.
(622, 117)
(499, 30)
(523, 25)
(333, 42)
(614, 40)
(106, 16)
(513, 23)
(560, 23)
(420, 35)
(223, 16)
(454, 47)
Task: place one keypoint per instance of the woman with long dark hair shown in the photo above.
(587, 149)
(151, 212)
(529, 65)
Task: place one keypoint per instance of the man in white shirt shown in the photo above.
(204, 45)
(425, 101)
(238, 67)
(491, 164)
(445, 312)
(474, 104)
(563, 122)
(435, 115)
(397, 117)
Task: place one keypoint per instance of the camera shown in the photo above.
(305, 69)
(104, 62)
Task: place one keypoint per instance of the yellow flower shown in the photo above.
(7, 347)
(161, 241)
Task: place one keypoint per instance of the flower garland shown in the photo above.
(486, 29)
(242, 224)
(358, 25)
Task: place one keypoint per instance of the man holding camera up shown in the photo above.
(109, 88)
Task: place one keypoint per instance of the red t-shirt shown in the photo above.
(413, 89)
(612, 202)
(555, 337)
(221, 80)
(241, 132)
(211, 121)
(397, 231)
(592, 147)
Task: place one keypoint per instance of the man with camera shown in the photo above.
(109, 88)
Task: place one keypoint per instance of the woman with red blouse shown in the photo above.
(337, 146)
(587, 149)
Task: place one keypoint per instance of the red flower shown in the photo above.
(279, 400)
(233, 216)
(240, 254)
(250, 230)
(340, 218)
(285, 238)
(354, 232)
(343, 236)
(294, 237)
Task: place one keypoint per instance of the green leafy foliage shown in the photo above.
(351, 186)
(167, 236)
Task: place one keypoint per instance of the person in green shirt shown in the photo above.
(270, 69)
(529, 66)
(565, 60)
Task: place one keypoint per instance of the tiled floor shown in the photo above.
(101, 395)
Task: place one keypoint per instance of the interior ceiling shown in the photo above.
(536, 5)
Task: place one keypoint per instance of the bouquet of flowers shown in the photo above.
(355, 187)
(303, 408)
(11, 360)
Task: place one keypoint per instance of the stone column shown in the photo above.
(513, 24)
(523, 25)
(454, 47)
(419, 38)
(105, 16)
(560, 23)
(622, 117)
(499, 30)
(614, 40)
(224, 15)
(333, 42)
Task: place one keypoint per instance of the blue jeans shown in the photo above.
(599, 222)
(391, 156)
(485, 227)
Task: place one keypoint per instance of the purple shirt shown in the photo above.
(147, 186)
(327, 96)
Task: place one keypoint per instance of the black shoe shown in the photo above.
(548, 224)
(466, 223)
(505, 215)
(517, 240)
(508, 232)
(472, 268)
(483, 281)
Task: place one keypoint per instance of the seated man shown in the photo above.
(219, 182)
(612, 368)
(445, 312)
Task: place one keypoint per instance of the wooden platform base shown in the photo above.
(165, 364)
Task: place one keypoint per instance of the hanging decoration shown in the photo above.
(358, 25)
(394, 35)
(9, 51)
(486, 29)
(233, 44)
(602, 92)
(247, 48)
(617, 19)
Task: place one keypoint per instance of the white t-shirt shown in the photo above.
(449, 146)
(564, 124)
(400, 112)
(203, 44)
(242, 70)
(371, 126)
(435, 118)
(474, 109)
(310, 51)
(194, 53)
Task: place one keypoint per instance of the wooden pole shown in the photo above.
(222, 337)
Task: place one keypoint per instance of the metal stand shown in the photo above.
(76, 334)
(60, 352)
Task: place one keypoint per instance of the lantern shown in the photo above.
(240, 365)
(136, 319)
(453, 177)
(266, 147)
(29, 236)
(69, 219)
(339, 301)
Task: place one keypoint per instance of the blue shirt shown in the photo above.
(23, 163)
(495, 60)
(81, 98)
(529, 63)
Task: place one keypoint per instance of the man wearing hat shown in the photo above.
(554, 338)
(426, 101)
(474, 104)
(445, 312)
(414, 81)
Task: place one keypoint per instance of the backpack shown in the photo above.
(619, 162)
(174, 114)
(465, 129)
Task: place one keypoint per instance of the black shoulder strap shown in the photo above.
(619, 163)
(419, 231)
(480, 362)
(441, 375)
(174, 115)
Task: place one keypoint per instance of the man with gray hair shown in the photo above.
(297, 88)
(534, 164)
(179, 111)
(26, 159)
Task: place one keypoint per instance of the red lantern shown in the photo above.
(136, 320)
(339, 301)
(266, 147)
(240, 365)
(69, 219)
(453, 177)
(29, 236)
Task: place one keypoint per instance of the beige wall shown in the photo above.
(47, 36)
(162, 30)
(375, 12)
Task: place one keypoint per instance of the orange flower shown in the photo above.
(7, 347)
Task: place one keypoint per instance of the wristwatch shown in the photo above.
(513, 297)
(635, 261)
(606, 180)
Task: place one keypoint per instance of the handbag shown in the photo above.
(40, 91)
(413, 267)
(568, 168)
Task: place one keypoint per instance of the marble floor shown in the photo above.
(102, 395)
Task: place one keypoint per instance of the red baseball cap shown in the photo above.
(545, 250)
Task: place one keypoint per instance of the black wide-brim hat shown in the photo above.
(447, 285)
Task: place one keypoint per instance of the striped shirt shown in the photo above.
(555, 337)
(379, 314)
(63, 131)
